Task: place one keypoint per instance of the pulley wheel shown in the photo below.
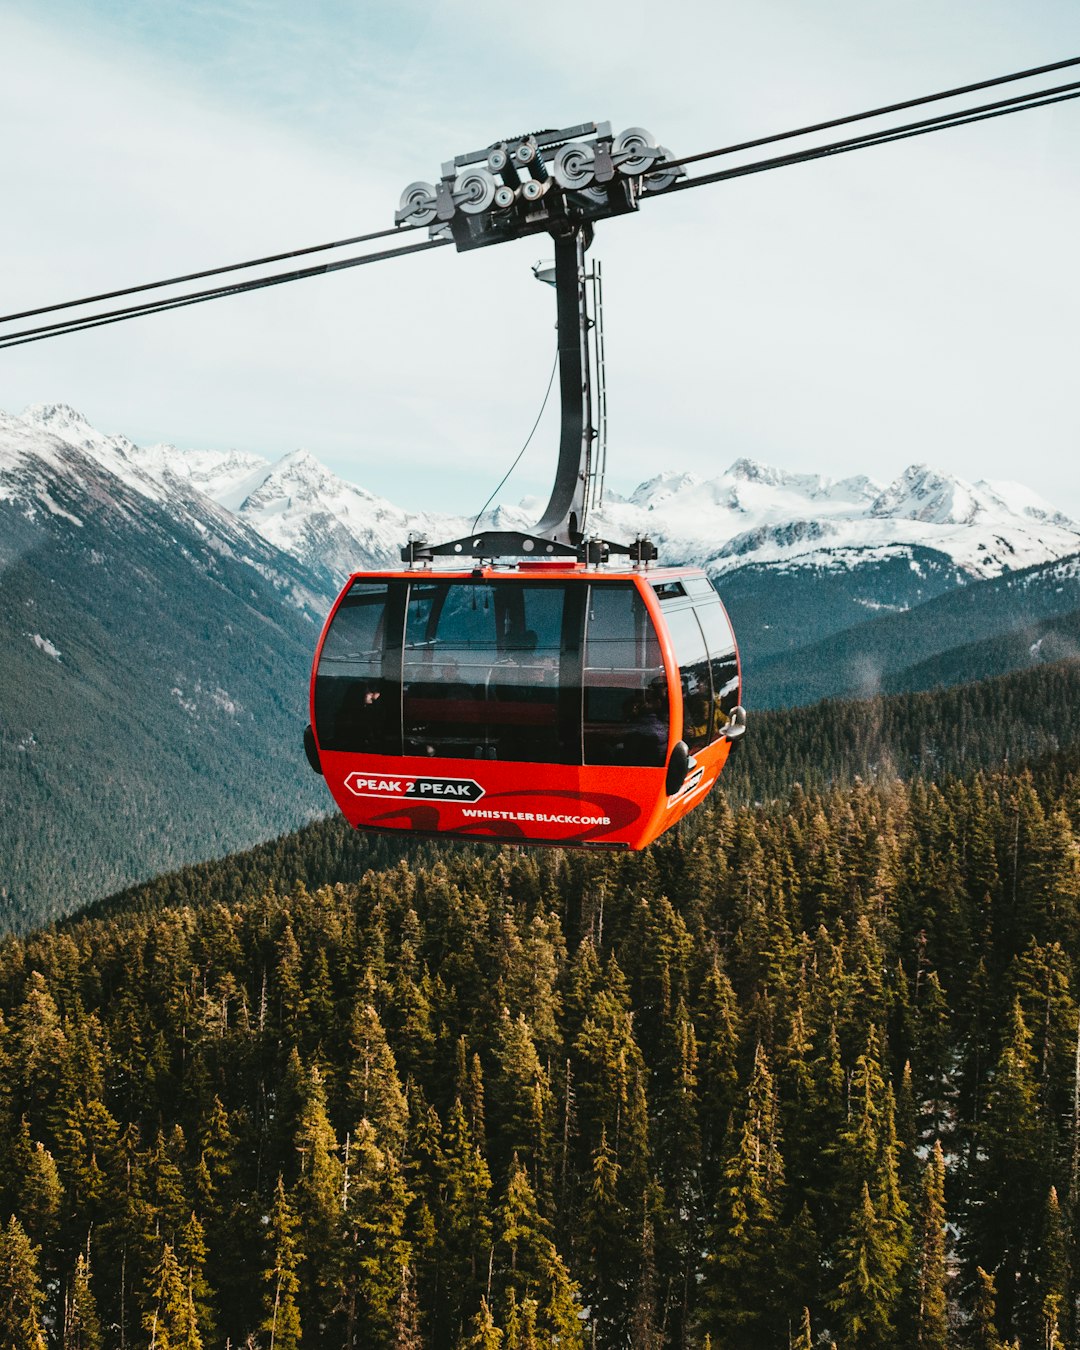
(638, 147)
(497, 159)
(418, 203)
(573, 166)
(662, 177)
(474, 191)
(504, 198)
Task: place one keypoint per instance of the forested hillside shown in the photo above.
(968, 632)
(803, 1074)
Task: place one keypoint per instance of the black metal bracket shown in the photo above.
(558, 183)
(511, 544)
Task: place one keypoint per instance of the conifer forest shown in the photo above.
(805, 1073)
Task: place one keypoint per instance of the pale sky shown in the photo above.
(913, 302)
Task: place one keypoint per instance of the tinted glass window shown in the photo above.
(491, 671)
(699, 586)
(725, 667)
(693, 662)
(356, 697)
(625, 703)
(669, 590)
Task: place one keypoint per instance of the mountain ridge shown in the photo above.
(750, 513)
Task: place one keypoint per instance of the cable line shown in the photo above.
(960, 118)
(528, 441)
(199, 297)
(208, 272)
(875, 112)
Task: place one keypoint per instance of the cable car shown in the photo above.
(562, 698)
(545, 703)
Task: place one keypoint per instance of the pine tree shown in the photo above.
(1010, 1177)
(40, 1192)
(868, 1153)
(521, 1331)
(718, 1074)
(170, 1322)
(373, 1089)
(644, 1333)
(984, 1333)
(931, 1315)
(805, 1339)
(82, 1326)
(318, 1200)
(465, 1221)
(868, 1265)
(375, 1250)
(21, 1295)
(519, 1100)
(485, 1334)
(281, 1321)
(744, 1280)
(1050, 1271)
(192, 1255)
(406, 1329)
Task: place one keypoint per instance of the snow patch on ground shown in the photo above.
(44, 645)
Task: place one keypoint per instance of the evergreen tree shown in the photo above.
(82, 1326)
(373, 1089)
(21, 1295)
(465, 1227)
(40, 1192)
(281, 1322)
(931, 1314)
(805, 1340)
(1051, 1272)
(869, 1266)
(170, 1321)
(485, 1334)
(319, 1204)
(406, 1330)
(376, 1250)
(984, 1333)
(745, 1279)
(1010, 1177)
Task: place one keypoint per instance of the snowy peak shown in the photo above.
(1015, 497)
(56, 417)
(665, 485)
(924, 494)
(752, 513)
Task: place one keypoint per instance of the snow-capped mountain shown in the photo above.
(752, 514)
(756, 514)
(154, 655)
(52, 462)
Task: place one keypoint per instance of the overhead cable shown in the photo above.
(528, 442)
(208, 272)
(875, 112)
(961, 117)
(77, 325)
(957, 117)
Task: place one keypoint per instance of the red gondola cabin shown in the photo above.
(547, 703)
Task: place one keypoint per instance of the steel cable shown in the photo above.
(208, 272)
(874, 112)
(26, 335)
(961, 118)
